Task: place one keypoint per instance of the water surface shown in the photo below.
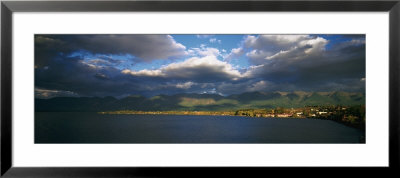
(70, 127)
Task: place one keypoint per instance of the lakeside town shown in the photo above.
(353, 116)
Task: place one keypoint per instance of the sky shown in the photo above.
(121, 65)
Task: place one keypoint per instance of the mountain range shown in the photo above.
(199, 102)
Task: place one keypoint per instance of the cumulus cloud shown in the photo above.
(302, 62)
(89, 65)
(144, 72)
(201, 69)
(207, 51)
(267, 47)
(235, 52)
(313, 72)
(203, 50)
(86, 65)
(274, 42)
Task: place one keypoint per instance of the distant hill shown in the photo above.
(198, 102)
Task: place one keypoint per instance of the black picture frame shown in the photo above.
(8, 7)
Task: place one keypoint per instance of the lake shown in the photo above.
(74, 127)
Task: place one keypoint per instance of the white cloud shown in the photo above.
(144, 72)
(258, 86)
(305, 49)
(274, 41)
(207, 62)
(285, 47)
(209, 52)
(185, 85)
(253, 71)
(235, 52)
(215, 40)
(317, 45)
(204, 51)
(91, 65)
(99, 61)
(45, 93)
(207, 68)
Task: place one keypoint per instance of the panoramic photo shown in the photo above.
(200, 88)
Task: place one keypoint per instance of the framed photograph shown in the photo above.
(137, 88)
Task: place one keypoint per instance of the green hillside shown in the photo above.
(201, 102)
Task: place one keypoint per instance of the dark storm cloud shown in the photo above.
(279, 63)
(318, 69)
(72, 74)
(60, 63)
(144, 47)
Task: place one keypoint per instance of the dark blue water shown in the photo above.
(96, 128)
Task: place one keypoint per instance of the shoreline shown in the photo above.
(194, 113)
(223, 113)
